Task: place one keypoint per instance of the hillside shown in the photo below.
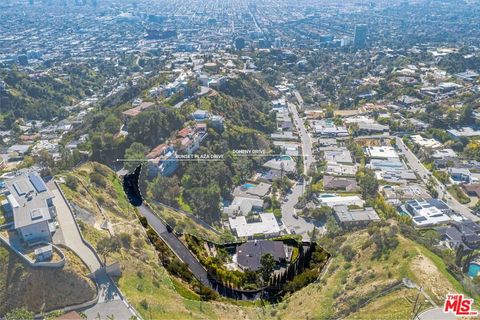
(351, 287)
(42, 96)
(42, 289)
(144, 281)
(344, 289)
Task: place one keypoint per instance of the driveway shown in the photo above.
(110, 301)
(68, 233)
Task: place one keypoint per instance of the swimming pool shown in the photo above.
(286, 158)
(248, 186)
(327, 195)
(474, 270)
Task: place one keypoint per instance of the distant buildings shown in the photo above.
(327, 129)
(130, 113)
(360, 37)
(383, 152)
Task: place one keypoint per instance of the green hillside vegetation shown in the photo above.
(363, 265)
(42, 289)
(41, 97)
(362, 268)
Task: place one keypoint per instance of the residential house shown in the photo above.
(351, 218)
(340, 184)
(249, 254)
(460, 175)
(425, 213)
(162, 160)
(31, 203)
(265, 225)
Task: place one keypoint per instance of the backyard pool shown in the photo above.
(248, 186)
(474, 269)
(327, 195)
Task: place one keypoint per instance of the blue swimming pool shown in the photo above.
(286, 158)
(248, 186)
(474, 270)
(327, 195)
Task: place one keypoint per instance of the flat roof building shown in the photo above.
(267, 225)
(383, 152)
(348, 218)
(32, 206)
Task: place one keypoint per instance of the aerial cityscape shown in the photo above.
(239, 159)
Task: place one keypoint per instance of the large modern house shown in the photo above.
(32, 208)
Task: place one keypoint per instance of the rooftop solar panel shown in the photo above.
(37, 182)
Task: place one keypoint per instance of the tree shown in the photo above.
(71, 182)
(267, 264)
(466, 116)
(165, 190)
(368, 183)
(136, 151)
(112, 124)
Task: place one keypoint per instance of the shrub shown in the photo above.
(71, 182)
(144, 304)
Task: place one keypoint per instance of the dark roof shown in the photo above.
(250, 253)
(331, 182)
(453, 234)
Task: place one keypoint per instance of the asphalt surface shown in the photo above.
(297, 225)
(307, 148)
(436, 314)
(425, 174)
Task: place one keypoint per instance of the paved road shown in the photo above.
(180, 250)
(425, 174)
(297, 225)
(109, 298)
(308, 158)
(436, 314)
